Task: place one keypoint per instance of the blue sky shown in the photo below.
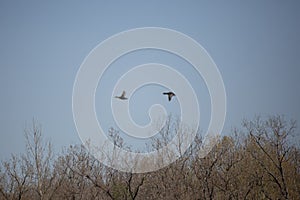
(255, 44)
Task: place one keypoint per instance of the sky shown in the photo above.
(255, 44)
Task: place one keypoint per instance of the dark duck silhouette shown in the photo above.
(122, 97)
(170, 95)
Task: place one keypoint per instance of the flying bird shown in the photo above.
(122, 97)
(170, 95)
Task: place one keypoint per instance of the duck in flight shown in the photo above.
(122, 97)
(170, 95)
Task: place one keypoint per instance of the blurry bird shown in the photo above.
(170, 95)
(122, 97)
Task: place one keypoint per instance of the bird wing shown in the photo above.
(123, 94)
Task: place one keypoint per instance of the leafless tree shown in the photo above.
(258, 161)
(272, 151)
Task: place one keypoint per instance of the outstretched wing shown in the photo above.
(123, 94)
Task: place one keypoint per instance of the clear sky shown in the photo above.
(255, 44)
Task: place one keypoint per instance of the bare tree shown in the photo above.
(15, 178)
(39, 155)
(257, 162)
(271, 150)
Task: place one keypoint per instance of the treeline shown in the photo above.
(258, 161)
